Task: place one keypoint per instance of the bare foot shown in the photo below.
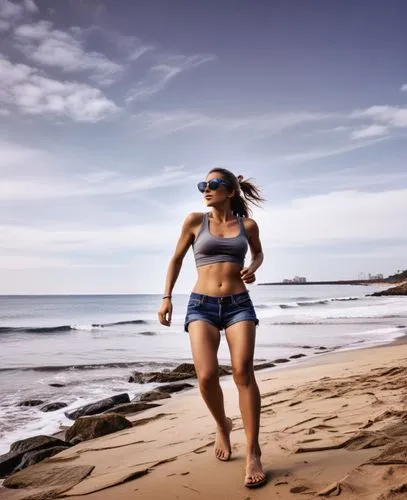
(254, 471)
(222, 443)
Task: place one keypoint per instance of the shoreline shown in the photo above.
(314, 406)
(317, 358)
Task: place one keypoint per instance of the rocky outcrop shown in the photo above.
(44, 481)
(95, 426)
(160, 377)
(181, 372)
(187, 371)
(130, 408)
(53, 406)
(153, 395)
(262, 366)
(33, 457)
(98, 407)
(170, 388)
(12, 460)
(395, 290)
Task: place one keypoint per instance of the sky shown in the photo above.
(112, 111)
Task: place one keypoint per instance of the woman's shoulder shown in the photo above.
(194, 218)
(249, 224)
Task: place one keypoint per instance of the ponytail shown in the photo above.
(240, 205)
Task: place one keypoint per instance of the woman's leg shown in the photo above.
(205, 339)
(241, 339)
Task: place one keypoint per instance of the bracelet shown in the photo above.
(166, 297)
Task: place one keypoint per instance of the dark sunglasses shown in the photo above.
(213, 184)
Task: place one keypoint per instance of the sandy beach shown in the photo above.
(332, 426)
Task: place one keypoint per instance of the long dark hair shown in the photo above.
(251, 193)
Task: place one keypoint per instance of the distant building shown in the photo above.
(296, 279)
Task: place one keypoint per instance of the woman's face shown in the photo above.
(219, 196)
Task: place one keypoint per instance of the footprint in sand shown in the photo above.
(299, 489)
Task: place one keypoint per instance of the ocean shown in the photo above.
(89, 344)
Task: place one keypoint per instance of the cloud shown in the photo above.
(47, 46)
(128, 46)
(403, 88)
(4, 25)
(370, 131)
(30, 6)
(317, 154)
(343, 179)
(49, 184)
(32, 262)
(20, 158)
(390, 116)
(34, 94)
(393, 116)
(52, 240)
(335, 217)
(158, 123)
(160, 75)
(10, 10)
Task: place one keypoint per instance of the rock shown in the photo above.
(262, 366)
(9, 462)
(33, 457)
(31, 402)
(36, 443)
(225, 370)
(296, 356)
(281, 360)
(188, 368)
(181, 372)
(395, 290)
(98, 406)
(306, 347)
(53, 406)
(169, 388)
(167, 377)
(13, 458)
(44, 481)
(129, 408)
(136, 377)
(91, 427)
(56, 384)
(161, 377)
(154, 395)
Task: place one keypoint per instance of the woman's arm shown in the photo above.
(184, 242)
(252, 231)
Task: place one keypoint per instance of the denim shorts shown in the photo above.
(220, 311)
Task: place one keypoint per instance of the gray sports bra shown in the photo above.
(209, 249)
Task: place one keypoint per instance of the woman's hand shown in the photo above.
(165, 312)
(247, 275)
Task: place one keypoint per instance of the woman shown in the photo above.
(220, 300)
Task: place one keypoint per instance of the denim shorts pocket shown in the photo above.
(194, 303)
(244, 301)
